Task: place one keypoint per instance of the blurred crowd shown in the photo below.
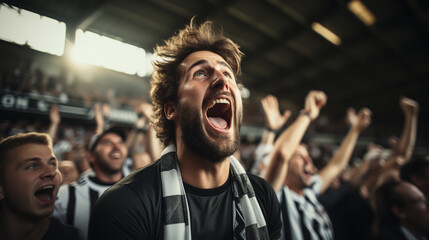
(349, 193)
(36, 83)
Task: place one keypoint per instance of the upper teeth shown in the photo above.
(47, 187)
(116, 155)
(219, 100)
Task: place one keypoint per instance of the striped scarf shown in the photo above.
(249, 222)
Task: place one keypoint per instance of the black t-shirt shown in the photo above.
(58, 230)
(132, 208)
(211, 211)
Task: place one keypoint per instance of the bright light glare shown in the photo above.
(92, 48)
(25, 27)
(146, 69)
(245, 92)
(362, 12)
(326, 33)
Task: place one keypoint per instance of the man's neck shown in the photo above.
(412, 230)
(107, 177)
(200, 172)
(18, 227)
(297, 191)
(293, 187)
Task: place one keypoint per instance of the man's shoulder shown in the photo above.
(258, 182)
(141, 184)
(82, 184)
(316, 185)
(262, 189)
(269, 204)
(144, 176)
(134, 200)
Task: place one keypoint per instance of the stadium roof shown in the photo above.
(373, 65)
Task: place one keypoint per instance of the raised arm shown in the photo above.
(406, 143)
(55, 118)
(403, 149)
(342, 156)
(101, 114)
(154, 145)
(99, 120)
(274, 120)
(289, 140)
(136, 143)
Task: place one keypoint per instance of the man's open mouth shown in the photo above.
(45, 193)
(219, 113)
(116, 155)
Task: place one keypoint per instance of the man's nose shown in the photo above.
(49, 171)
(220, 81)
(117, 145)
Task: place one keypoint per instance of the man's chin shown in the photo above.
(43, 213)
(308, 184)
(214, 151)
(114, 170)
(205, 141)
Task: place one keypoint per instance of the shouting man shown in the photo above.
(197, 189)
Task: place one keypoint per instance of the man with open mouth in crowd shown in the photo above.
(197, 189)
(107, 154)
(29, 183)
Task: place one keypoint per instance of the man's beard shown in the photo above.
(105, 167)
(194, 137)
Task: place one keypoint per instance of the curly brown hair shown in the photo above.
(166, 76)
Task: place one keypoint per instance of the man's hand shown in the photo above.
(408, 105)
(101, 115)
(363, 119)
(54, 114)
(351, 117)
(314, 101)
(273, 118)
(144, 111)
(98, 115)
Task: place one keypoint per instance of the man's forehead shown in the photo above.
(202, 55)
(30, 147)
(407, 190)
(110, 135)
(32, 150)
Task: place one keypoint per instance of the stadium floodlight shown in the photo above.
(92, 48)
(27, 28)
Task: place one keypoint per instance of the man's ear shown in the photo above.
(170, 110)
(91, 158)
(397, 211)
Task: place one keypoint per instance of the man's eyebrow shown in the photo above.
(34, 159)
(225, 64)
(203, 61)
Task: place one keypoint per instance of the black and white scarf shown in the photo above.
(249, 222)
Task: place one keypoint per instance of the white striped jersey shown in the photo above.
(75, 202)
(303, 217)
(262, 159)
